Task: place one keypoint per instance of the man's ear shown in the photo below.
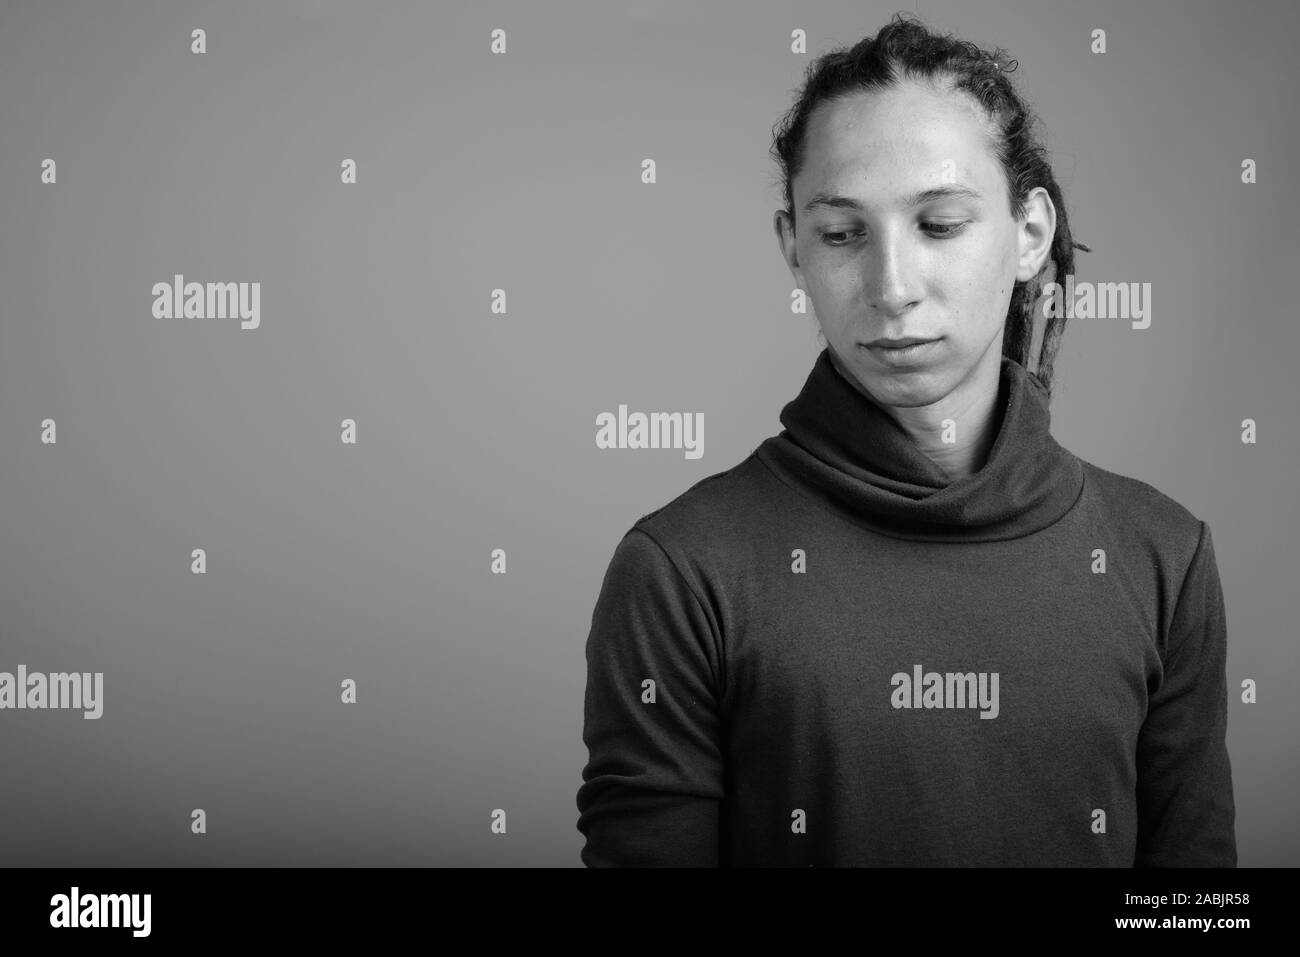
(1036, 230)
(783, 224)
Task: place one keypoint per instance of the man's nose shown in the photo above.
(892, 281)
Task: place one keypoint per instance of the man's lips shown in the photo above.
(897, 343)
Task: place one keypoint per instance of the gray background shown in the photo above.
(476, 431)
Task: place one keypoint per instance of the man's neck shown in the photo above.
(971, 407)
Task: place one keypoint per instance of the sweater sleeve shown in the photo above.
(1186, 813)
(653, 784)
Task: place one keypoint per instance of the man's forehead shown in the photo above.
(904, 166)
(912, 96)
(904, 121)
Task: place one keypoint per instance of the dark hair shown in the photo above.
(904, 48)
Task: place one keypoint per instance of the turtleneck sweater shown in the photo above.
(832, 654)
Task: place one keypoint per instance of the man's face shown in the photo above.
(885, 261)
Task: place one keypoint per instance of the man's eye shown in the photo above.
(944, 230)
(937, 230)
(826, 238)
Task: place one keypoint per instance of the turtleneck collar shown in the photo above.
(841, 447)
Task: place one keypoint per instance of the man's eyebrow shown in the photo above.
(917, 199)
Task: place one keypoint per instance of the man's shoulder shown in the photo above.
(712, 512)
(1141, 511)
